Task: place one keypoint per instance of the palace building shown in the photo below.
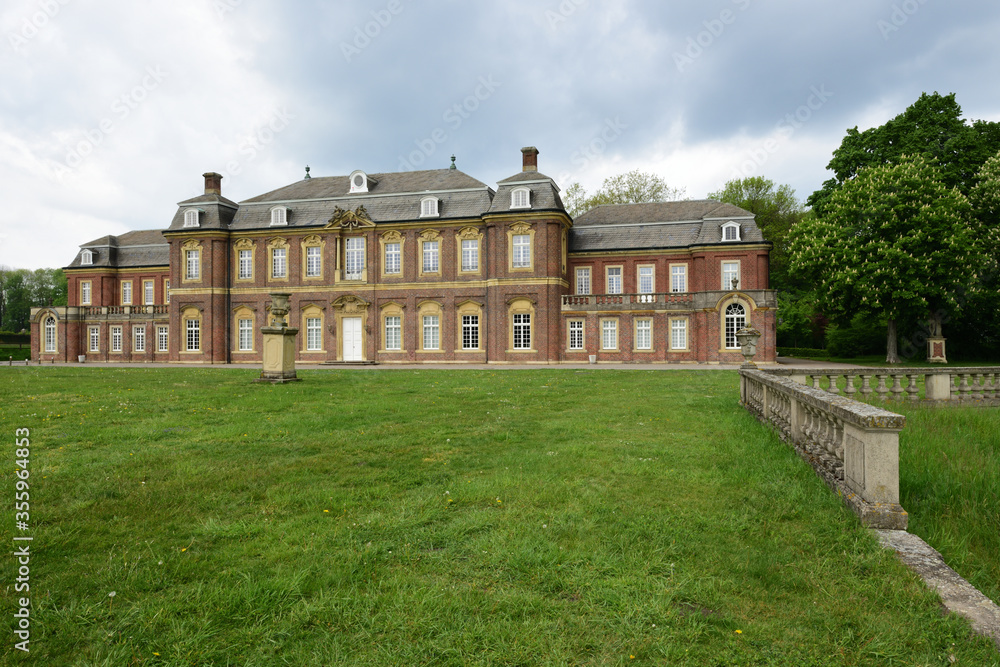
(424, 266)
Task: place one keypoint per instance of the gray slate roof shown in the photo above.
(544, 192)
(328, 187)
(661, 225)
(132, 249)
(215, 212)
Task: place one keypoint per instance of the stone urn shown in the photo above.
(279, 308)
(748, 337)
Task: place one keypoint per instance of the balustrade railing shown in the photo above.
(662, 298)
(852, 445)
(964, 384)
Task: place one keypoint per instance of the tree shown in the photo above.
(932, 126)
(895, 240)
(776, 210)
(634, 187)
(22, 289)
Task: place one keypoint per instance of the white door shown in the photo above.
(352, 338)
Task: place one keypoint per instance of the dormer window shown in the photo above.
(191, 217)
(429, 207)
(279, 216)
(86, 258)
(730, 232)
(359, 182)
(520, 198)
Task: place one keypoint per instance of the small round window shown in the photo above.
(359, 180)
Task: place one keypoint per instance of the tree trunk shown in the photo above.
(891, 351)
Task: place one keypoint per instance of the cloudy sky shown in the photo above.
(112, 110)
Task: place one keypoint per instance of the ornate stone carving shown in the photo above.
(350, 304)
(469, 234)
(392, 237)
(243, 244)
(351, 219)
(520, 228)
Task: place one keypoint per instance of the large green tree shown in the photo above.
(634, 187)
(23, 289)
(776, 210)
(895, 242)
(932, 126)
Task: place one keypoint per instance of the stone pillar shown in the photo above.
(279, 345)
(935, 350)
(937, 386)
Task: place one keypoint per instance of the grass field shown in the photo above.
(410, 517)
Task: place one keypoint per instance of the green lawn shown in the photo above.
(404, 517)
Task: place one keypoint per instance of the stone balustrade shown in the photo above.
(979, 384)
(680, 301)
(852, 445)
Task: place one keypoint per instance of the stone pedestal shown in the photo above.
(935, 350)
(279, 355)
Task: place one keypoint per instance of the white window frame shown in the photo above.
(394, 332)
(314, 261)
(678, 278)
(429, 207)
(95, 339)
(50, 334)
(314, 334)
(728, 273)
(354, 257)
(86, 292)
(246, 264)
(470, 255)
(576, 334)
(192, 263)
(191, 218)
(279, 216)
(470, 332)
(678, 334)
(522, 331)
(613, 281)
(244, 342)
(731, 227)
(644, 334)
(279, 263)
(520, 198)
(149, 292)
(735, 318)
(583, 283)
(139, 338)
(86, 258)
(393, 258)
(193, 335)
(650, 277)
(116, 339)
(126, 292)
(431, 256)
(609, 334)
(431, 332)
(163, 339)
(521, 249)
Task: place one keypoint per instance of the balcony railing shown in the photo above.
(627, 301)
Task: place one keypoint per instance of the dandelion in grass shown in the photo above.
(739, 632)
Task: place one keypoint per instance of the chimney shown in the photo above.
(529, 159)
(213, 183)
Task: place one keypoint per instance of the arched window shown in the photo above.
(730, 232)
(736, 319)
(520, 198)
(50, 334)
(191, 217)
(87, 257)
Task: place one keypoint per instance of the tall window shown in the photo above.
(470, 332)
(678, 278)
(245, 343)
(432, 332)
(191, 218)
(429, 207)
(470, 255)
(127, 293)
(614, 280)
(430, 256)
(730, 270)
(193, 335)
(645, 280)
(736, 319)
(313, 265)
(246, 264)
(583, 281)
(522, 251)
(520, 198)
(95, 339)
(355, 250)
(278, 216)
(678, 334)
(576, 334)
(193, 264)
(279, 262)
(644, 334)
(50, 334)
(522, 331)
(85, 293)
(609, 334)
(116, 339)
(162, 339)
(147, 293)
(166, 291)
(139, 339)
(86, 257)
(731, 232)
(393, 258)
(314, 334)
(394, 332)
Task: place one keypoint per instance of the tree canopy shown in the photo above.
(931, 126)
(894, 240)
(634, 187)
(22, 289)
(776, 210)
